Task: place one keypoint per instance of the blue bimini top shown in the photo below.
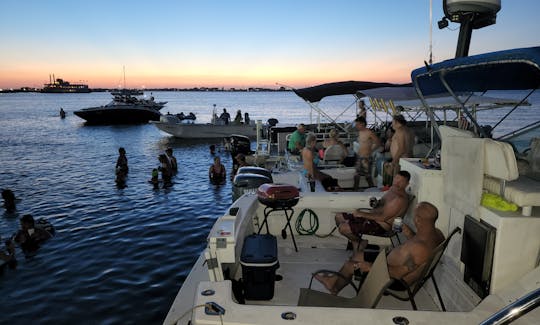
(515, 69)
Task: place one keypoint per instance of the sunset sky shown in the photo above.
(236, 43)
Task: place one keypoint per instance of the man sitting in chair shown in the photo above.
(379, 220)
(406, 261)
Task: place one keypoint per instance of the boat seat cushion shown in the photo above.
(500, 160)
(524, 191)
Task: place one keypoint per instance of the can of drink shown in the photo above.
(312, 185)
(373, 202)
(397, 226)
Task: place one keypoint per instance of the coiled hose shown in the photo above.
(313, 224)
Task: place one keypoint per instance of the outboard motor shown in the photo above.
(240, 144)
(255, 170)
(247, 183)
(272, 122)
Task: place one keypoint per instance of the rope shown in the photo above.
(192, 309)
(313, 224)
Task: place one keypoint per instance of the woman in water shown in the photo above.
(217, 172)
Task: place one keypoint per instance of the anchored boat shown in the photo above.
(123, 109)
(489, 270)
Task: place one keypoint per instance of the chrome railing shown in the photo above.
(515, 310)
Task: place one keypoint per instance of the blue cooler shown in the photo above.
(259, 263)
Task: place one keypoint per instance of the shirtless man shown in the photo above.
(402, 142)
(368, 141)
(379, 220)
(406, 261)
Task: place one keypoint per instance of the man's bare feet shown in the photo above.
(328, 280)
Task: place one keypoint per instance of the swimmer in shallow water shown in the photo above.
(172, 159)
(122, 168)
(29, 237)
(217, 172)
(9, 200)
(155, 178)
(8, 256)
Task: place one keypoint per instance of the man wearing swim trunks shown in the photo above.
(379, 220)
(406, 261)
(368, 141)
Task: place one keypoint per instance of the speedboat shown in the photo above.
(489, 272)
(182, 127)
(123, 109)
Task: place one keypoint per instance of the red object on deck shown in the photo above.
(278, 195)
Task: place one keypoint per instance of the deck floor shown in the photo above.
(321, 253)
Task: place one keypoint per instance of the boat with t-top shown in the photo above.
(487, 271)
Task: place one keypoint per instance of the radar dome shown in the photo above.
(479, 6)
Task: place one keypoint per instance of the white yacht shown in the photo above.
(489, 272)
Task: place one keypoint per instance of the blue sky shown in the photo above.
(236, 43)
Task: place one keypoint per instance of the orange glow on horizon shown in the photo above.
(301, 75)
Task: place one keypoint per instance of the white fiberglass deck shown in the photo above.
(321, 253)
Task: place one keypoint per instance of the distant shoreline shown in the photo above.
(199, 89)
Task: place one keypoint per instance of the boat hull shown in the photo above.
(205, 131)
(116, 115)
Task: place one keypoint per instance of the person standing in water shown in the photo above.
(172, 160)
(9, 200)
(121, 167)
(166, 170)
(217, 172)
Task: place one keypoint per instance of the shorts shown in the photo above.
(364, 226)
(363, 166)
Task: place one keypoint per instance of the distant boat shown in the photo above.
(126, 92)
(60, 86)
(124, 109)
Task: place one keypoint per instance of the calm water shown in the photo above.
(119, 256)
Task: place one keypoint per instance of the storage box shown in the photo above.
(259, 263)
(221, 240)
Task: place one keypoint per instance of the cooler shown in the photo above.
(259, 263)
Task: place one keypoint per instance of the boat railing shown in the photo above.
(515, 310)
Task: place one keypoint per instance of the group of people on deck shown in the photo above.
(406, 261)
(399, 143)
(225, 118)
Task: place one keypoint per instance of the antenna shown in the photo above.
(430, 32)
